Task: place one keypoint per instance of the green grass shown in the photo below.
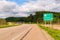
(5, 26)
(53, 32)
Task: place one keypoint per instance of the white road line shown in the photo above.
(21, 34)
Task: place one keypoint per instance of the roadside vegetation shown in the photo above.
(4, 23)
(10, 24)
(31, 19)
(36, 18)
(5, 26)
(53, 32)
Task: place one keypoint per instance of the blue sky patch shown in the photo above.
(19, 2)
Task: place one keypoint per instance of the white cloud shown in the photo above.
(8, 8)
(40, 5)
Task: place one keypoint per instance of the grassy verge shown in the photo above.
(5, 26)
(53, 32)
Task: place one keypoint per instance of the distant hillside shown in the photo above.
(38, 17)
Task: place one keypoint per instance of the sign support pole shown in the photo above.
(45, 23)
(50, 24)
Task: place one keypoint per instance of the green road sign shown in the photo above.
(48, 17)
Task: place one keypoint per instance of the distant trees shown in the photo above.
(55, 14)
(57, 17)
(15, 19)
(10, 19)
(30, 18)
(37, 18)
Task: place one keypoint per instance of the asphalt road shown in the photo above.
(14, 33)
(24, 32)
(37, 34)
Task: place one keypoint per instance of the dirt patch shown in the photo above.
(54, 26)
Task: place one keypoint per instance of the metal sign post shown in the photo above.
(45, 23)
(50, 24)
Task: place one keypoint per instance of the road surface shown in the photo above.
(24, 32)
(37, 34)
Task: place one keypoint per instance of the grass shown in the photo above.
(5, 26)
(53, 32)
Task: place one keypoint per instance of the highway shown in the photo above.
(12, 33)
(24, 32)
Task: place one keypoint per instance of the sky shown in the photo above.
(23, 8)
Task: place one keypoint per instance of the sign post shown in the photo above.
(48, 17)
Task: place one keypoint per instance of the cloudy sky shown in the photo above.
(22, 8)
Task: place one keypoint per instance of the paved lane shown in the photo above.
(24, 32)
(37, 34)
(13, 33)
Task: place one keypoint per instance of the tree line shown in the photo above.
(38, 17)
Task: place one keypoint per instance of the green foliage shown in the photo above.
(5, 26)
(53, 32)
(12, 19)
(38, 17)
(15, 19)
(55, 20)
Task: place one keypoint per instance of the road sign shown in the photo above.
(48, 17)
